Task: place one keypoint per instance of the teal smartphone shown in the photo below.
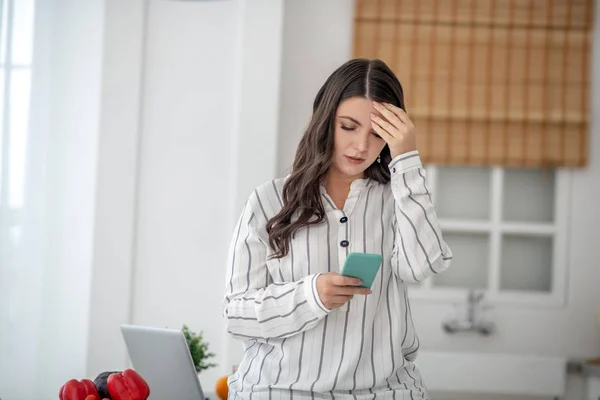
(363, 266)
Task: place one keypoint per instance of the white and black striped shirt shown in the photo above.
(294, 346)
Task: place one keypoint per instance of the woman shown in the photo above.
(356, 185)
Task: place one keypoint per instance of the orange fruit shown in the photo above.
(221, 387)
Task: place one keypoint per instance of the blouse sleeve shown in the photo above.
(254, 306)
(419, 248)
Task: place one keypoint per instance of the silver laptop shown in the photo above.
(161, 356)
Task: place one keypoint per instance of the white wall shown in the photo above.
(256, 100)
(70, 44)
(317, 38)
(116, 187)
(257, 105)
(160, 118)
(188, 131)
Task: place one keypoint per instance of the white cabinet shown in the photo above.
(450, 373)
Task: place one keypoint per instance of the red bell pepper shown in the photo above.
(127, 385)
(78, 390)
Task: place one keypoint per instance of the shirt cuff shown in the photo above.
(405, 162)
(312, 296)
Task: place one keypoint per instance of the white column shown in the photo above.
(116, 184)
(256, 112)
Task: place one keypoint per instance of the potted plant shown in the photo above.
(198, 349)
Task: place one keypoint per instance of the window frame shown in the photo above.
(559, 230)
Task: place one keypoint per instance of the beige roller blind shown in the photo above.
(488, 82)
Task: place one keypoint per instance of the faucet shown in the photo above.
(473, 322)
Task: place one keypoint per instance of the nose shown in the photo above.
(362, 142)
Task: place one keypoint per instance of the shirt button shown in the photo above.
(344, 219)
(394, 169)
(344, 243)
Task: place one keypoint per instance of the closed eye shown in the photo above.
(376, 135)
(346, 128)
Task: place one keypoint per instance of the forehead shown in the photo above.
(356, 107)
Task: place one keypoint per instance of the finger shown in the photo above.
(340, 280)
(341, 299)
(351, 290)
(361, 291)
(389, 128)
(400, 113)
(389, 114)
(382, 132)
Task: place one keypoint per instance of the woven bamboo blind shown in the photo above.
(488, 82)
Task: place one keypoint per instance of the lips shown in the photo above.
(354, 160)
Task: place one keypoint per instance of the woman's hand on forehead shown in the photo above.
(395, 128)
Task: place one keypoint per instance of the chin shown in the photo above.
(353, 170)
(350, 170)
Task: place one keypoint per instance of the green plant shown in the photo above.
(198, 349)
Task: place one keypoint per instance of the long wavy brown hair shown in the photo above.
(302, 205)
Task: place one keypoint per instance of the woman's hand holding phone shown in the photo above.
(336, 290)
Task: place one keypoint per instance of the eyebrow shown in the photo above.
(351, 119)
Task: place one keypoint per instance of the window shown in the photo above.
(16, 43)
(507, 228)
(499, 92)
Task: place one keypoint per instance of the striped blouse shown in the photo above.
(297, 348)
